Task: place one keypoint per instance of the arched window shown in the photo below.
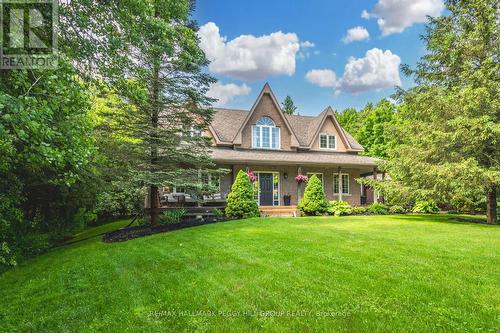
(265, 134)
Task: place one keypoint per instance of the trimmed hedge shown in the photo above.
(241, 202)
(314, 201)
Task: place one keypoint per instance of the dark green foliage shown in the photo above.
(397, 209)
(425, 207)
(359, 210)
(45, 169)
(217, 212)
(339, 208)
(172, 216)
(378, 208)
(287, 106)
(240, 201)
(448, 146)
(314, 201)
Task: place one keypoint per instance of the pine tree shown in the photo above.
(287, 106)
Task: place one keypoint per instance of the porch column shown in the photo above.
(375, 172)
(340, 183)
(299, 172)
(383, 178)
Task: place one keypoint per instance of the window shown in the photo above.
(265, 134)
(211, 180)
(276, 193)
(326, 141)
(179, 190)
(345, 183)
(319, 175)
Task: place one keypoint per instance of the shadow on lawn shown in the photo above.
(446, 218)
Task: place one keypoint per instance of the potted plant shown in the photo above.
(301, 179)
(286, 199)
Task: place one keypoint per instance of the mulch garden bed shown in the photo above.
(125, 234)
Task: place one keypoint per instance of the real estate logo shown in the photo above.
(28, 34)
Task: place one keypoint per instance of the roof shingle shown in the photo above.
(227, 122)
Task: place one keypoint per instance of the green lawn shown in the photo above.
(367, 273)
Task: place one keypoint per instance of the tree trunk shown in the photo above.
(155, 110)
(153, 204)
(491, 205)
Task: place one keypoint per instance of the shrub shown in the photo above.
(378, 208)
(339, 208)
(397, 209)
(241, 202)
(314, 201)
(359, 210)
(425, 207)
(217, 212)
(172, 216)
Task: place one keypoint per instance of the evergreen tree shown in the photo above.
(156, 65)
(448, 138)
(314, 200)
(287, 106)
(240, 201)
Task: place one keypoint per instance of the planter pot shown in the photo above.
(286, 200)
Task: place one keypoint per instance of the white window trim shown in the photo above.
(270, 137)
(174, 190)
(210, 180)
(258, 185)
(317, 173)
(327, 141)
(348, 184)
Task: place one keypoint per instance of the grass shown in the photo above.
(100, 229)
(367, 273)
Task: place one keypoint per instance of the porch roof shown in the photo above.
(227, 155)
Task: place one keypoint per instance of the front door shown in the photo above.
(266, 189)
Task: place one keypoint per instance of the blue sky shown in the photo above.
(243, 65)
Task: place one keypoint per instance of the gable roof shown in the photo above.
(266, 90)
(228, 124)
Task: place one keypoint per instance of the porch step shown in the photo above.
(278, 211)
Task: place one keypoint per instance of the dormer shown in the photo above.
(265, 126)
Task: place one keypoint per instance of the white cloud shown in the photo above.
(226, 92)
(322, 77)
(394, 16)
(306, 44)
(376, 70)
(248, 57)
(356, 34)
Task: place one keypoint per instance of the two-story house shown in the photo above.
(278, 147)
